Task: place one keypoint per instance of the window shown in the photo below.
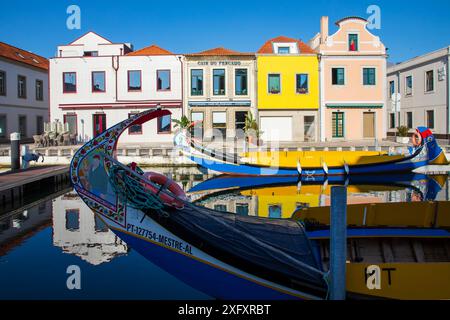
(98, 81)
(392, 120)
(408, 85)
(429, 84)
(309, 128)
(3, 126)
(353, 42)
(240, 82)
(22, 87)
(39, 125)
(301, 83)
(337, 76)
(91, 53)
(220, 207)
(409, 120)
(219, 124)
(337, 124)
(165, 124)
(69, 82)
(72, 219)
(369, 76)
(134, 80)
(275, 211)
(240, 123)
(430, 119)
(219, 82)
(284, 50)
(274, 83)
(391, 88)
(71, 120)
(99, 225)
(135, 129)
(2, 83)
(242, 209)
(197, 129)
(23, 126)
(163, 80)
(39, 90)
(196, 82)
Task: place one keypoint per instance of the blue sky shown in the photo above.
(408, 28)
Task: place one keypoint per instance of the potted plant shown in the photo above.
(251, 129)
(403, 134)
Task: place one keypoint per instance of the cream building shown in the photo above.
(219, 90)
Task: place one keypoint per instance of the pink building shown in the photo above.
(352, 81)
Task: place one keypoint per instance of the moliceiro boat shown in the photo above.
(425, 151)
(224, 255)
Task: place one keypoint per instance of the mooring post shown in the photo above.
(15, 151)
(338, 242)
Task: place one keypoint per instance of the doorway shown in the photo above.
(99, 123)
(369, 124)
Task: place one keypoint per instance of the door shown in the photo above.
(197, 129)
(276, 128)
(99, 123)
(337, 124)
(369, 125)
(239, 125)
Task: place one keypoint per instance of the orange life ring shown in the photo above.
(416, 139)
(166, 184)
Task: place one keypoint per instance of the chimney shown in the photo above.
(323, 29)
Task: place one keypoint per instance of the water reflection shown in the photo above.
(66, 224)
(281, 197)
(77, 231)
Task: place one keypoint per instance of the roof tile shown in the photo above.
(152, 50)
(220, 52)
(19, 55)
(267, 47)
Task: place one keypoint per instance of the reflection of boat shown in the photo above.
(224, 255)
(315, 163)
(280, 196)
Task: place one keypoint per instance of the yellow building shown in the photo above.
(288, 90)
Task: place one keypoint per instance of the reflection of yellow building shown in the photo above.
(281, 202)
(288, 90)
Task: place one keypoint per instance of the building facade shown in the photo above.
(352, 81)
(219, 92)
(288, 90)
(24, 99)
(418, 93)
(96, 83)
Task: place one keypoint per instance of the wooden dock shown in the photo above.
(15, 185)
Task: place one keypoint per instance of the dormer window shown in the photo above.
(353, 42)
(284, 50)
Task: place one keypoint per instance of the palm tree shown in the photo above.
(183, 123)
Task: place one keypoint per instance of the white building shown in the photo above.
(421, 87)
(24, 103)
(78, 231)
(96, 83)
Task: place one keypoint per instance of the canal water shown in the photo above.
(39, 241)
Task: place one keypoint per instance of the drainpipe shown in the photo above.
(116, 69)
(320, 116)
(180, 58)
(448, 92)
